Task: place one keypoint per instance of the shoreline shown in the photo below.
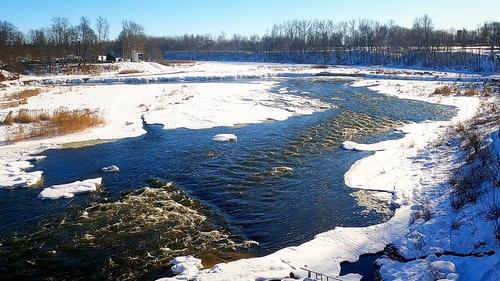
(346, 244)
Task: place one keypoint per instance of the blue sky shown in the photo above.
(245, 17)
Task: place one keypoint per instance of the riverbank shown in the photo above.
(398, 167)
(409, 169)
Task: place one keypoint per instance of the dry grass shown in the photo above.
(320, 66)
(469, 91)
(474, 91)
(130, 71)
(177, 62)
(32, 123)
(90, 69)
(444, 90)
(26, 94)
(19, 98)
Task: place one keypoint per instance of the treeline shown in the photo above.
(302, 41)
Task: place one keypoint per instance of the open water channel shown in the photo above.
(179, 192)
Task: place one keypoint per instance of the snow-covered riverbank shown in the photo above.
(406, 168)
(410, 170)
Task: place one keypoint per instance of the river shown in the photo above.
(179, 192)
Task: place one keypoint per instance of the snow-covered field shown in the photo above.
(412, 169)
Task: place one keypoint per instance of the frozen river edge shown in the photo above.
(396, 171)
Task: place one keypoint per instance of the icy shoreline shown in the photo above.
(395, 167)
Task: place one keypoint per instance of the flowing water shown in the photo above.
(178, 192)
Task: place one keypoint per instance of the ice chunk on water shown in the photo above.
(70, 189)
(225, 137)
(112, 168)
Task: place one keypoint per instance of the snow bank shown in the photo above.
(446, 267)
(185, 268)
(13, 172)
(70, 190)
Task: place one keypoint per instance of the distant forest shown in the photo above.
(360, 42)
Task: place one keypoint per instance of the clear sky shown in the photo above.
(245, 17)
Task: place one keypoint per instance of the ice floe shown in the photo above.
(111, 168)
(69, 190)
(225, 137)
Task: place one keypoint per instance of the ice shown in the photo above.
(225, 137)
(184, 267)
(69, 190)
(111, 168)
(13, 174)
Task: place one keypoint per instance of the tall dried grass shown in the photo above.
(471, 91)
(16, 99)
(444, 90)
(32, 123)
(130, 71)
(177, 62)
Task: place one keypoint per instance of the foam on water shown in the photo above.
(141, 232)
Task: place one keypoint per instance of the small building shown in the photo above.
(137, 57)
(113, 57)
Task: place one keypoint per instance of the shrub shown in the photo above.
(466, 188)
(471, 138)
(444, 90)
(471, 92)
(491, 210)
(423, 213)
(2, 77)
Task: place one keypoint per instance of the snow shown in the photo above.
(70, 190)
(13, 174)
(185, 268)
(225, 137)
(112, 168)
(408, 168)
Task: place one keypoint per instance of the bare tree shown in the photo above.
(423, 27)
(86, 40)
(9, 37)
(9, 34)
(39, 39)
(61, 35)
(102, 27)
(132, 38)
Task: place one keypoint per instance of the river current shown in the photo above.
(179, 192)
